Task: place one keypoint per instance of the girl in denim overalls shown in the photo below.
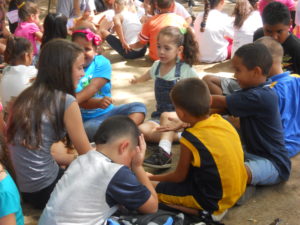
(177, 52)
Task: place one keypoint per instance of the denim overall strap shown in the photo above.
(162, 91)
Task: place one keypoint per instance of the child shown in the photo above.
(290, 4)
(210, 174)
(10, 203)
(247, 21)
(41, 115)
(55, 26)
(172, 43)
(212, 27)
(287, 89)
(29, 26)
(256, 104)
(152, 27)
(276, 23)
(106, 180)
(127, 26)
(179, 10)
(20, 73)
(94, 88)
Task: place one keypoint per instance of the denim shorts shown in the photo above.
(263, 170)
(91, 126)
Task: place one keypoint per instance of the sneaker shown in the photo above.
(159, 159)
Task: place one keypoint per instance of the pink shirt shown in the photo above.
(27, 30)
(263, 3)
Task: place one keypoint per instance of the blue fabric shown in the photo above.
(287, 89)
(10, 200)
(263, 170)
(260, 123)
(126, 190)
(91, 126)
(100, 67)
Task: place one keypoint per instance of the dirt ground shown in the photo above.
(269, 203)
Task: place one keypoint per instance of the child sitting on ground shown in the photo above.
(29, 27)
(246, 21)
(172, 43)
(287, 89)
(266, 157)
(210, 174)
(19, 74)
(93, 91)
(153, 26)
(102, 179)
(276, 23)
(214, 30)
(127, 26)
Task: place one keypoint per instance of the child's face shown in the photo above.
(89, 50)
(77, 69)
(279, 32)
(167, 50)
(243, 76)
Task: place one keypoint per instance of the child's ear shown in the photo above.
(180, 50)
(123, 146)
(257, 71)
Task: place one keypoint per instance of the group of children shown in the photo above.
(55, 111)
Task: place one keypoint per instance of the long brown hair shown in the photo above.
(242, 10)
(46, 97)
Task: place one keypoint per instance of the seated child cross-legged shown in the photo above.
(256, 104)
(211, 174)
(173, 43)
(96, 183)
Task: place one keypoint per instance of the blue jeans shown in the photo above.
(91, 126)
(263, 171)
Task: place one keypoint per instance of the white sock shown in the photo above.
(165, 145)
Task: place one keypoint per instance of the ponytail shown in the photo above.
(208, 5)
(242, 10)
(205, 15)
(16, 47)
(191, 53)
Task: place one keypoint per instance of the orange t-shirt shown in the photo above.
(152, 27)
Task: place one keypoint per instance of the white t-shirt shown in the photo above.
(244, 35)
(212, 44)
(90, 190)
(131, 26)
(181, 11)
(15, 79)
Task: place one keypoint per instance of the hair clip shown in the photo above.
(90, 36)
(21, 5)
(183, 30)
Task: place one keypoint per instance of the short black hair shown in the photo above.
(276, 13)
(255, 54)
(192, 95)
(115, 127)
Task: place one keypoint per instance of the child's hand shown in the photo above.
(133, 80)
(138, 159)
(174, 125)
(105, 102)
(126, 47)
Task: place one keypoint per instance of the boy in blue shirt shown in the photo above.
(287, 89)
(256, 104)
